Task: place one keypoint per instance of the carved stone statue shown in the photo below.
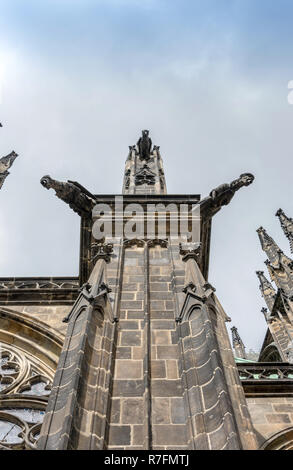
(222, 195)
(5, 164)
(145, 146)
(75, 195)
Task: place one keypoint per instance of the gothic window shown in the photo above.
(25, 384)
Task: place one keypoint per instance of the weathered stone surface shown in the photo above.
(131, 376)
(119, 435)
(128, 369)
(132, 411)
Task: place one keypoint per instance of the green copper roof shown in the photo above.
(240, 360)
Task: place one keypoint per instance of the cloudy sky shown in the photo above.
(81, 78)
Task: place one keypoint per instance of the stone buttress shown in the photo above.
(147, 362)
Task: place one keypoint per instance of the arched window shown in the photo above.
(25, 384)
(281, 441)
(29, 352)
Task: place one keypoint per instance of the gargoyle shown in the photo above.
(222, 195)
(75, 195)
(5, 164)
(145, 146)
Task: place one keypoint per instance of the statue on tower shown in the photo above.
(144, 146)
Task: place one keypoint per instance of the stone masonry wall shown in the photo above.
(147, 396)
(169, 430)
(52, 316)
(270, 415)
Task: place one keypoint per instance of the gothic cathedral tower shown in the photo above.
(147, 361)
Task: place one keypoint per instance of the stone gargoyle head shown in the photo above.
(47, 182)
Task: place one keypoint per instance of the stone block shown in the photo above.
(278, 418)
(169, 435)
(131, 304)
(284, 408)
(161, 295)
(166, 388)
(138, 435)
(159, 286)
(123, 353)
(172, 369)
(167, 352)
(130, 338)
(135, 314)
(115, 410)
(132, 411)
(161, 337)
(163, 315)
(128, 369)
(119, 435)
(128, 325)
(161, 411)
(177, 411)
(158, 369)
(128, 388)
(163, 324)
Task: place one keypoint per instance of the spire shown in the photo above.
(287, 226)
(269, 246)
(144, 172)
(238, 344)
(267, 290)
(282, 276)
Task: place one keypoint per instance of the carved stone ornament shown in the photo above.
(189, 251)
(127, 179)
(101, 251)
(287, 226)
(157, 241)
(190, 287)
(94, 301)
(127, 183)
(145, 176)
(134, 242)
(207, 286)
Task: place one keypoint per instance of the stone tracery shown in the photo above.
(25, 384)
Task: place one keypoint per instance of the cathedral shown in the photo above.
(134, 353)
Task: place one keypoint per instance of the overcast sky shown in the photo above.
(81, 78)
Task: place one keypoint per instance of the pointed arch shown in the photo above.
(282, 440)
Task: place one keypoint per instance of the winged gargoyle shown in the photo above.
(71, 192)
(5, 164)
(222, 195)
